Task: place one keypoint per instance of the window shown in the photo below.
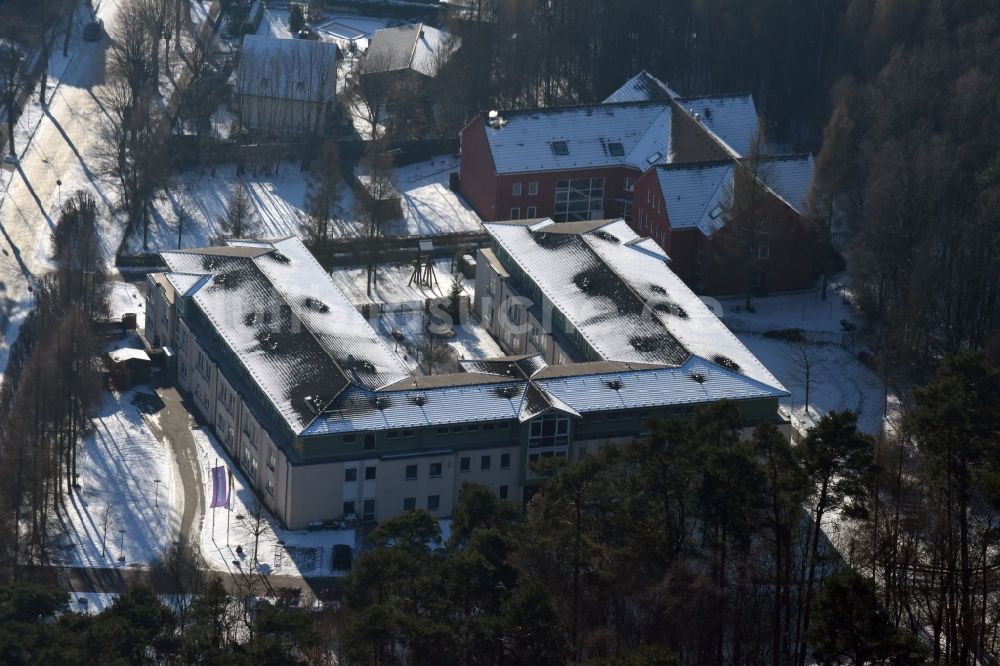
(504, 492)
(764, 226)
(581, 453)
(550, 431)
(433, 502)
(409, 433)
(616, 149)
(348, 509)
(250, 429)
(758, 278)
(629, 184)
(368, 510)
(184, 368)
(202, 364)
(560, 148)
(515, 213)
(409, 503)
(489, 426)
(762, 251)
(516, 190)
(532, 212)
(369, 473)
(456, 428)
(504, 461)
(226, 397)
(484, 463)
(350, 474)
(579, 199)
(435, 470)
(184, 339)
(349, 439)
(271, 458)
(270, 486)
(463, 464)
(504, 425)
(411, 473)
(532, 188)
(369, 442)
(392, 434)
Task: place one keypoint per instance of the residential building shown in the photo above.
(326, 422)
(285, 86)
(419, 50)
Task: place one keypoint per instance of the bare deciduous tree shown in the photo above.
(240, 220)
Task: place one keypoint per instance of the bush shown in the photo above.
(786, 335)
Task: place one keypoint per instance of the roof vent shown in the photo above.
(419, 400)
(279, 257)
(655, 157)
(604, 235)
(614, 384)
(506, 391)
(315, 403)
(560, 148)
(249, 318)
(698, 377)
(726, 362)
(708, 113)
(382, 402)
(496, 121)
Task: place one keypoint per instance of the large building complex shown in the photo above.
(327, 422)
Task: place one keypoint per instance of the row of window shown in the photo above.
(485, 462)
(351, 474)
(530, 214)
(517, 189)
(473, 427)
(367, 509)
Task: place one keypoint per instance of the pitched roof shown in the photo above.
(696, 195)
(643, 87)
(418, 47)
(790, 177)
(635, 134)
(696, 381)
(287, 324)
(732, 119)
(300, 69)
(616, 290)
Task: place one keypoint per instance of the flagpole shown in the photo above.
(213, 508)
(229, 502)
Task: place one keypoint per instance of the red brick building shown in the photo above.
(662, 162)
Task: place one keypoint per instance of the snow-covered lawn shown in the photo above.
(471, 341)
(393, 285)
(430, 208)
(128, 483)
(199, 198)
(279, 551)
(838, 380)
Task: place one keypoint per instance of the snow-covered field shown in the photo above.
(393, 283)
(125, 298)
(198, 199)
(838, 379)
(430, 208)
(128, 483)
(279, 551)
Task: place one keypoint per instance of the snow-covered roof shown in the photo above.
(696, 195)
(418, 47)
(578, 392)
(790, 177)
(634, 134)
(616, 290)
(732, 119)
(643, 87)
(128, 354)
(285, 321)
(299, 69)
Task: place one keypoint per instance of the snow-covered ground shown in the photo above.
(430, 208)
(838, 380)
(279, 551)
(393, 286)
(128, 484)
(90, 603)
(340, 28)
(198, 198)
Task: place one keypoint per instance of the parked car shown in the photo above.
(93, 31)
(343, 557)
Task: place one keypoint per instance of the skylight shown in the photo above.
(560, 148)
(616, 149)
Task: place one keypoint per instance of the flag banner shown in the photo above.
(220, 489)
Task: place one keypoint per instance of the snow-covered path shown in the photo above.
(54, 144)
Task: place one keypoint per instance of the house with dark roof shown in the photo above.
(285, 86)
(417, 49)
(327, 423)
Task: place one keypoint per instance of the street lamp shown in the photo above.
(121, 547)
(156, 501)
(59, 185)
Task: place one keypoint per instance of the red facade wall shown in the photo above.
(544, 201)
(716, 266)
(478, 179)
